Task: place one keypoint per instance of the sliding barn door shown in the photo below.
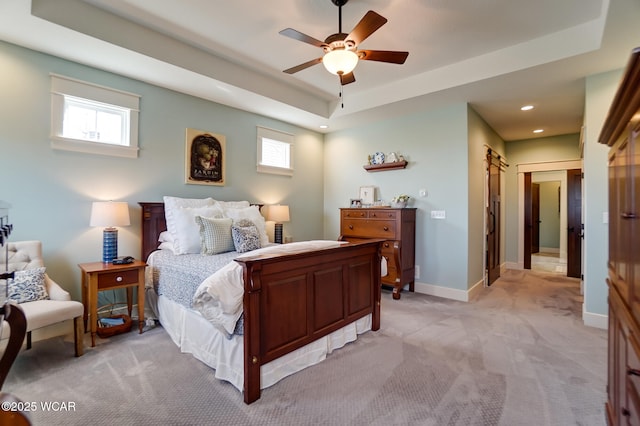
(493, 219)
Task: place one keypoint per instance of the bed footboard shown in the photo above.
(291, 300)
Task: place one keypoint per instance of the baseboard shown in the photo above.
(595, 320)
(514, 265)
(449, 293)
(549, 250)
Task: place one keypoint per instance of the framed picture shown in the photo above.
(355, 202)
(367, 194)
(204, 158)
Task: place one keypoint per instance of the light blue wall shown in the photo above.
(550, 214)
(600, 90)
(51, 191)
(481, 136)
(435, 144)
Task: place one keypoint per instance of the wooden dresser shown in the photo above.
(620, 132)
(398, 227)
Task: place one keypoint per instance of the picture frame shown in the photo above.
(367, 194)
(355, 203)
(204, 158)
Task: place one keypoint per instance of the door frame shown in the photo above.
(531, 168)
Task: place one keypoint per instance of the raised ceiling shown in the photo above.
(496, 55)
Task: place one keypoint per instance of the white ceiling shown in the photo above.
(495, 54)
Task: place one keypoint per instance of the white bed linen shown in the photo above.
(193, 334)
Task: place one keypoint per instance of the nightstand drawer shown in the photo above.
(113, 279)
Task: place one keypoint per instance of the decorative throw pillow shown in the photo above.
(215, 235)
(27, 286)
(245, 236)
(186, 231)
(253, 214)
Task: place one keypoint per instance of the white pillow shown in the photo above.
(167, 246)
(251, 213)
(186, 231)
(165, 237)
(234, 204)
(171, 204)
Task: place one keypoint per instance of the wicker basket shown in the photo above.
(105, 332)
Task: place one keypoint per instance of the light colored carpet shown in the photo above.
(518, 355)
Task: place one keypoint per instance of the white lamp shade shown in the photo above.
(110, 213)
(340, 61)
(278, 213)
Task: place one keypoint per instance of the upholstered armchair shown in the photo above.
(47, 307)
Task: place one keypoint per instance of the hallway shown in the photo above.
(545, 261)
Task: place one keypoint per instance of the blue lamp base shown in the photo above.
(109, 245)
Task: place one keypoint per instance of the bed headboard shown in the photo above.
(153, 223)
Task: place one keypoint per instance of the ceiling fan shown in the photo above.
(341, 54)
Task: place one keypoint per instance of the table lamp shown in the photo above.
(109, 214)
(278, 214)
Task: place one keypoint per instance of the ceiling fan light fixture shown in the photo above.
(340, 61)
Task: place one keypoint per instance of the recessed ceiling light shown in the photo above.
(538, 131)
(324, 126)
(527, 107)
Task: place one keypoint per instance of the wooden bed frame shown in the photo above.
(294, 299)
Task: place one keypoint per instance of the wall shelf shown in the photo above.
(386, 166)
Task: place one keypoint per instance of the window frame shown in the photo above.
(100, 96)
(279, 136)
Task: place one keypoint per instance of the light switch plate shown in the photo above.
(438, 214)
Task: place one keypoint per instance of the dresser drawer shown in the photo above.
(633, 363)
(369, 228)
(355, 213)
(383, 214)
(113, 279)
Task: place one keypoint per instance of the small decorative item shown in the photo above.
(204, 158)
(378, 158)
(367, 195)
(400, 201)
(392, 157)
(355, 202)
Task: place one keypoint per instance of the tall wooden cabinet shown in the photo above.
(620, 132)
(398, 228)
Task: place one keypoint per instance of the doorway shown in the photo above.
(547, 172)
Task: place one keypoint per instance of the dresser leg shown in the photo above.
(396, 293)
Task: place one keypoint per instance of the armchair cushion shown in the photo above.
(28, 286)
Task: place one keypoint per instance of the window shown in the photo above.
(275, 152)
(94, 119)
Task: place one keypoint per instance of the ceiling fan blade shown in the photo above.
(347, 78)
(383, 56)
(369, 23)
(301, 67)
(297, 35)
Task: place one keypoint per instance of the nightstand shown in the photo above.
(99, 276)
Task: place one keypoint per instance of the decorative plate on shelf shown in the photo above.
(392, 157)
(378, 158)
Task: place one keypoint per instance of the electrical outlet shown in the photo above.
(438, 214)
(416, 275)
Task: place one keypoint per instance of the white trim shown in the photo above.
(62, 86)
(449, 293)
(595, 320)
(276, 135)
